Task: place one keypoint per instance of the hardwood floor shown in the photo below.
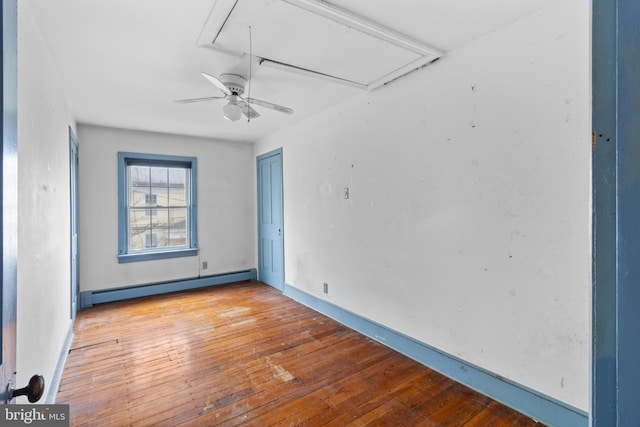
(246, 354)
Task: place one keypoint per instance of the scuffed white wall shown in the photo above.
(468, 225)
(226, 207)
(43, 305)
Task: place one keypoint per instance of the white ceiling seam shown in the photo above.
(364, 25)
(293, 69)
(215, 22)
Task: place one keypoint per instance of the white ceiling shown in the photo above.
(122, 63)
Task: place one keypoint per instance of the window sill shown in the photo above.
(148, 256)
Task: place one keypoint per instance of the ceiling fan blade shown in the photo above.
(217, 83)
(270, 105)
(207, 98)
(248, 111)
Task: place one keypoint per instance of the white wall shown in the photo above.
(468, 226)
(43, 306)
(226, 207)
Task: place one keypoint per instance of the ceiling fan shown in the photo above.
(233, 86)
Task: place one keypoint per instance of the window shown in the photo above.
(151, 240)
(151, 199)
(157, 207)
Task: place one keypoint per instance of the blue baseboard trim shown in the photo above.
(51, 389)
(542, 408)
(89, 298)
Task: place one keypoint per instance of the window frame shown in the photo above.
(141, 159)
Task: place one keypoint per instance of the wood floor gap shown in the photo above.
(92, 345)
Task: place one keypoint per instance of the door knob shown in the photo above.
(33, 391)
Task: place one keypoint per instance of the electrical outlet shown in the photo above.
(205, 265)
(326, 288)
(345, 192)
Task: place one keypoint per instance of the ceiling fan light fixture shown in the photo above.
(232, 87)
(232, 112)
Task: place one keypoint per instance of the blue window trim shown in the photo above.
(125, 158)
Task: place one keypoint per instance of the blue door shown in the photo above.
(270, 220)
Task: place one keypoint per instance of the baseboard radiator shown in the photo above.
(90, 298)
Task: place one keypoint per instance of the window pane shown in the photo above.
(139, 176)
(178, 197)
(159, 219)
(150, 199)
(159, 196)
(150, 240)
(178, 235)
(177, 177)
(178, 187)
(139, 224)
(138, 185)
(162, 236)
(159, 177)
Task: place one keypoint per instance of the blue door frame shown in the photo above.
(616, 213)
(8, 197)
(73, 223)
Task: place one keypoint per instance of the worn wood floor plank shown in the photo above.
(244, 354)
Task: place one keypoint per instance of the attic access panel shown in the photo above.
(314, 36)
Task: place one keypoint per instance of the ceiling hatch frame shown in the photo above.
(223, 9)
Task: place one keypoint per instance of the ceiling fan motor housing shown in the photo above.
(234, 82)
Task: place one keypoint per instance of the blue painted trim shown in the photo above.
(9, 185)
(604, 246)
(126, 158)
(628, 201)
(85, 299)
(53, 385)
(277, 151)
(523, 399)
(150, 159)
(147, 256)
(89, 298)
(73, 222)
(122, 204)
(616, 202)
